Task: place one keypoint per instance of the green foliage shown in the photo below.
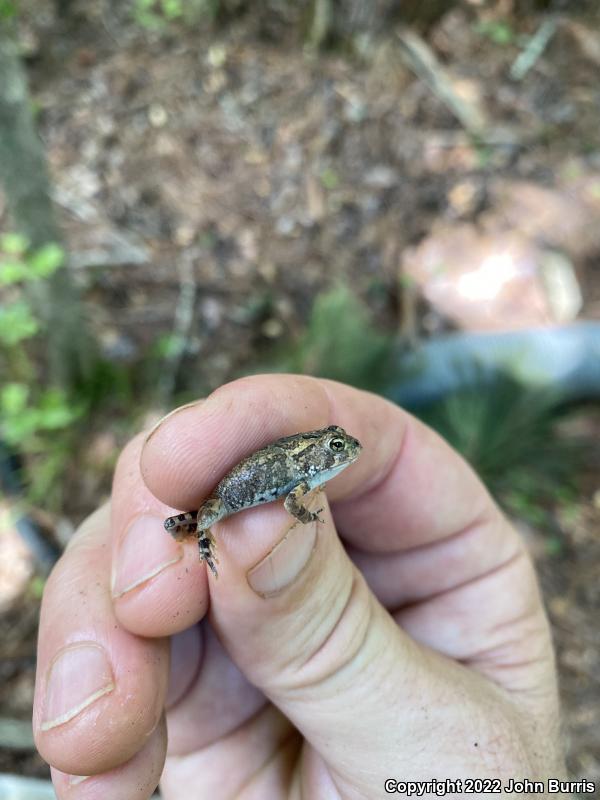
(24, 419)
(167, 346)
(497, 31)
(329, 179)
(8, 9)
(17, 322)
(36, 586)
(13, 243)
(341, 343)
(44, 261)
(31, 415)
(157, 15)
(510, 436)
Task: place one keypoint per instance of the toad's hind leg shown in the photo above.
(182, 525)
(212, 510)
(198, 523)
(207, 547)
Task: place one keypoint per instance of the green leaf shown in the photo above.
(17, 323)
(12, 272)
(36, 586)
(46, 260)
(168, 345)
(20, 428)
(13, 398)
(329, 178)
(15, 244)
(172, 9)
(8, 9)
(55, 411)
(497, 31)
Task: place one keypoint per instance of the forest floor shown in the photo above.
(213, 183)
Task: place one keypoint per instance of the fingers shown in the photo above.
(216, 702)
(305, 629)
(100, 689)
(404, 467)
(410, 508)
(158, 584)
(138, 777)
(166, 594)
(407, 489)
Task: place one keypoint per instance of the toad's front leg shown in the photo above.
(294, 506)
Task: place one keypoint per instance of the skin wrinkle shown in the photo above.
(331, 632)
(491, 654)
(511, 623)
(514, 558)
(421, 547)
(356, 552)
(343, 664)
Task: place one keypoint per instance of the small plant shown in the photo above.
(342, 343)
(156, 15)
(31, 414)
(8, 9)
(510, 436)
(497, 31)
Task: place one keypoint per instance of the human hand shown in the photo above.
(414, 646)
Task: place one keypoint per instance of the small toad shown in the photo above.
(291, 466)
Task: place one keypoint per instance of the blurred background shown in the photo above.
(401, 195)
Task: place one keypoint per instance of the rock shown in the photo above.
(516, 268)
(481, 280)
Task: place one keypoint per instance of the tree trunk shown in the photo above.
(346, 19)
(24, 176)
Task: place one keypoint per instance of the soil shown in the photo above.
(239, 176)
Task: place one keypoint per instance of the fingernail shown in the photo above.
(79, 675)
(282, 566)
(75, 780)
(172, 414)
(146, 550)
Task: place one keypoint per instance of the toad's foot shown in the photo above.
(182, 525)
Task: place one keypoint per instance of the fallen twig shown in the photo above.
(424, 63)
(534, 48)
(182, 323)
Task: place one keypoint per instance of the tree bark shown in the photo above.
(354, 17)
(346, 19)
(24, 176)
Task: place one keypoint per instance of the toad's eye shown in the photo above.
(336, 444)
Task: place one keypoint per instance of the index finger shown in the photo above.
(408, 487)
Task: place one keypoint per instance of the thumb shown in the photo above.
(304, 627)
